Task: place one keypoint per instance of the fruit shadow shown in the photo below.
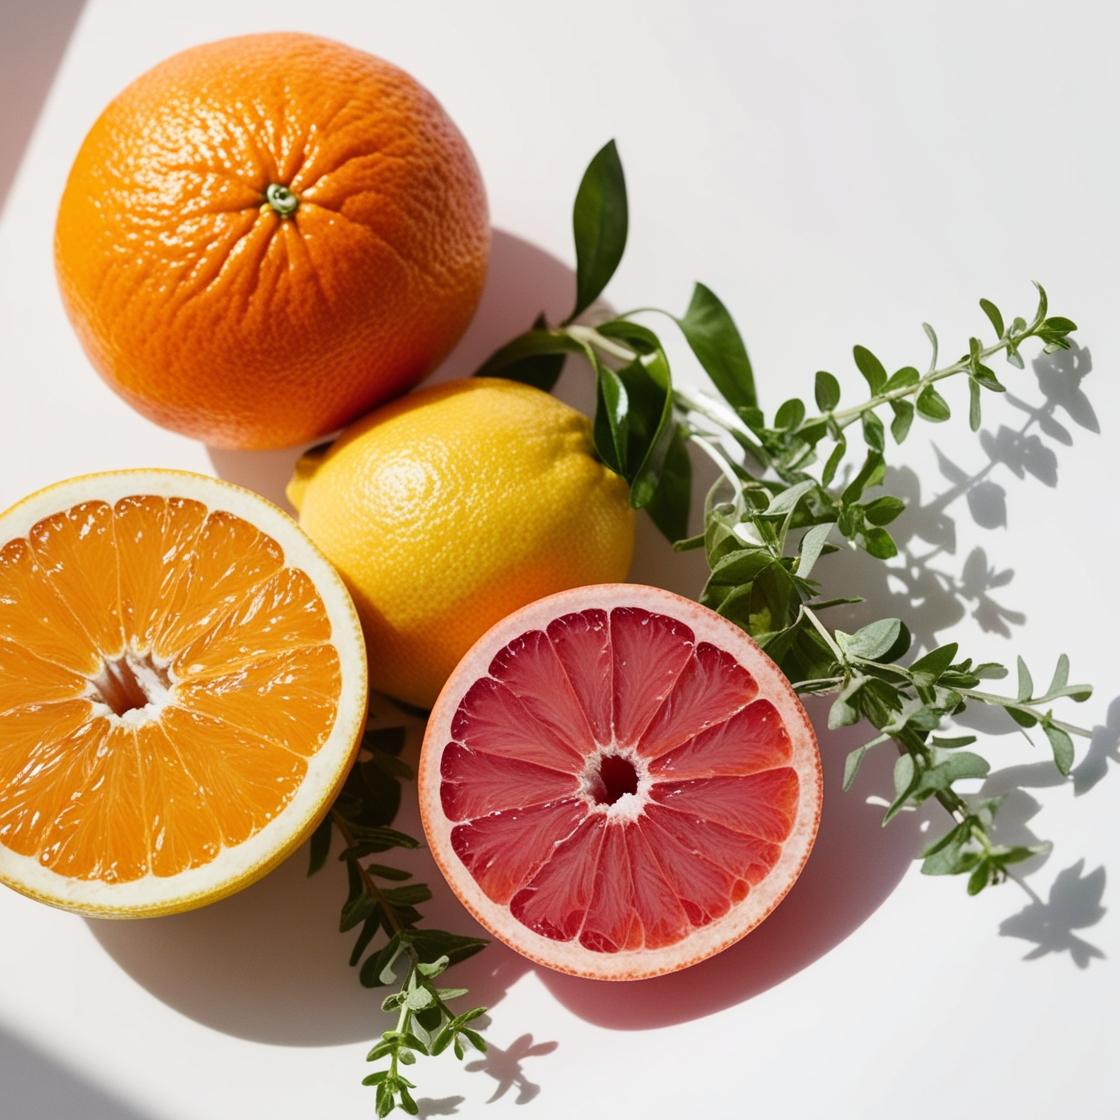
(851, 872)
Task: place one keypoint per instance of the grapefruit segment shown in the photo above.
(503, 850)
(531, 670)
(555, 901)
(649, 652)
(751, 740)
(761, 805)
(582, 642)
(617, 782)
(711, 688)
(182, 691)
(492, 719)
(475, 783)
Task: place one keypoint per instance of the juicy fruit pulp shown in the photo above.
(264, 237)
(171, 682)
(619, 784)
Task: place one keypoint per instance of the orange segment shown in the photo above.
(155, 538)
(182, 824)
(282, 612)
(77, 551)
(246, 780)
(179, 700)
(22, 674)
(289, 699)
(229, 558)
(33, 616)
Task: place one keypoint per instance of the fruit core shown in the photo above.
(611, 776)
(131, 683)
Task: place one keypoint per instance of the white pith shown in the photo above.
(630, 805)
(158, 694)
(237, 865)
(704, 941)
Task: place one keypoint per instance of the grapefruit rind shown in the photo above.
(704, 941)
(238, 866)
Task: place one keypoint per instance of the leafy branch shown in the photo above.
(382, 904)
(787, 495)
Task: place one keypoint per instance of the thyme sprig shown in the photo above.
(791, 489)
(382, 905)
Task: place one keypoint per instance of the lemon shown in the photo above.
(454, 506)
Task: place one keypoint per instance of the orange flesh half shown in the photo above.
(165, 680)
(615, 782)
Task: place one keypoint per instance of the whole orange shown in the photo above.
(263, 237)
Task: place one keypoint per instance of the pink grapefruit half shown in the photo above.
(617, 782)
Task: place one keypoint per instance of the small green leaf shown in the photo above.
(852, 763)
(872, 430)
(715, 340)
(826, 389)
(974, 409)
(599, 224)
(870, 474)
(1026, 685)
(842, 713)
(431, 969)
(1061, 675)
(903, 418)
(786, 500)
(833, 462)
(855, 758)
(902, 379)
(931, 665)
(610, 425)
(903, 774)
(882, 511)
(872, 640)
(448, 994)
(812, 544)
(1062, 746)
(790, 414)
(419, 998)
(931, 334)
(669, 506)
(871, 368)
(947, 742)
(534, 358)
(879, 543)
(980, 877)
(1022, 717)
(932, 405)
(994, 316)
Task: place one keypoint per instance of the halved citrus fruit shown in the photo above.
(617, 782)
(182, 691)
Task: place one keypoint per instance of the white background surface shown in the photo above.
(837, 172)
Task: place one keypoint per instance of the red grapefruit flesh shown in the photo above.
(617, 782)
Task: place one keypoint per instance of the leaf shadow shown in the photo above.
(427, 1107)
(506, 1067)
(1074, 902)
